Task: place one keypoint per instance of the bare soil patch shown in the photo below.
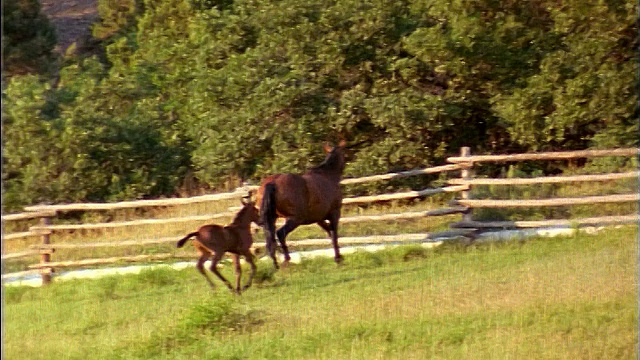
(72, 20)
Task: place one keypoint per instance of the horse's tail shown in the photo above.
(268, 213)
(181, 242)
(268, 218)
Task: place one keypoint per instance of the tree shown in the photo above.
(584, 94)
(26, 135)
(229, 91)
(28, 39)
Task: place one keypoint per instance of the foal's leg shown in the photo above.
(200, 267)
(282, 233)
(334, 218)
(214, 263)
(238, 270)
(249, 257)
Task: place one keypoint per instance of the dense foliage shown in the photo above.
(208, 93)
(28, 38)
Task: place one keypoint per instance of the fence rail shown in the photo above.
(472, 203)
(546, 180)
(28, 215)
(135, 204)
(121, 224)
(26, 234)
(51, 209)
(347, 240)
(21, 254)
(559, 155)
(464, 205)
(402, 174)
(403, 195)
(172, 239)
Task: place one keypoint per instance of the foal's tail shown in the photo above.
(268, 213)
(181, 242)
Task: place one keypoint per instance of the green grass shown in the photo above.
(551, 298)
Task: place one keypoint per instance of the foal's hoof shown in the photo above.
(234, 291)
(339, 259)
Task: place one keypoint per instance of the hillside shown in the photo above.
(72, 19)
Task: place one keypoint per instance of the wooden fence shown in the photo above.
(465, 164)
(471, 161)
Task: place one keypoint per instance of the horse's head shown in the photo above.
(335, 157)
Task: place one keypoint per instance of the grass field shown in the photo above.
(549, 298)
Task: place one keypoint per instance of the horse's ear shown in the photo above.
(327, 148)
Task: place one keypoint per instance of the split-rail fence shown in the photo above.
(464, 204)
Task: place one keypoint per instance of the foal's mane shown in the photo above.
(240, 214)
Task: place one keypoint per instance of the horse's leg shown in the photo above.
(200, 267)
(238, 270)
(282, 233)
(329, 228)
(334, 218)
(214, 269)
(324, 225)
(249, 257)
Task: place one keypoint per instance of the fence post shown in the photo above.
(466, 173)
(45, 256)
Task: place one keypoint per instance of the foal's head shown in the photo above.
(249, 213)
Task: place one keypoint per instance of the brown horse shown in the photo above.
(213, 241)
(313, 197)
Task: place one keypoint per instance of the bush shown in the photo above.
(28, 38)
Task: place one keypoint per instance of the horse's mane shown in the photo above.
(329, 164)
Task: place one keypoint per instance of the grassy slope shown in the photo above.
(547, 298)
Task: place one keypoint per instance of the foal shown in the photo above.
(213, 241)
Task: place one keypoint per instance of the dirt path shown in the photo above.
(71, 18)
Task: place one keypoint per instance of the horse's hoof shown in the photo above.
(339, 260)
